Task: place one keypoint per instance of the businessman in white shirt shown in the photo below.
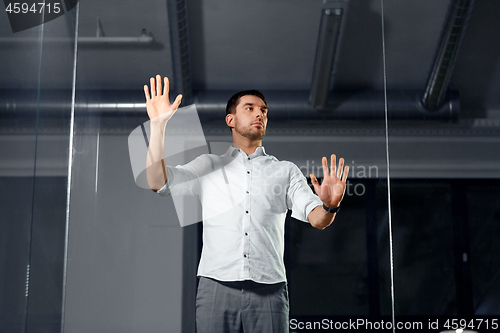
(242, 286)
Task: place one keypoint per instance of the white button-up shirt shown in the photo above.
(244, 204)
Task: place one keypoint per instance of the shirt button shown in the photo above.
(247, 192)
(249, 158)
(246, 233)
(246, 211)
(245, 255)
(248, 172)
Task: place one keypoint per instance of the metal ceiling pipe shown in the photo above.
(143, 39)
(328, 37)
(179, 41)
(458, 16)
(347, 105)
(283, 105)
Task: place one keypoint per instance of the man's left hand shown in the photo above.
(332, 188)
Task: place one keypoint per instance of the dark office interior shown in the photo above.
(407, 91)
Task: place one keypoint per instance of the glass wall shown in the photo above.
(131, 266)
(84, 249)
(444, 169)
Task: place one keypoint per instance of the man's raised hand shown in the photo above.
(332, 189)
(158, 103)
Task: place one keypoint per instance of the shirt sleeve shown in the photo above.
(300, 198)
(184, 179)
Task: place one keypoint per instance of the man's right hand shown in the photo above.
(158, 104)
(159, 111)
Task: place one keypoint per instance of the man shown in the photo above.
(242, 285)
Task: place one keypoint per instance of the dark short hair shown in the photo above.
(235, 99)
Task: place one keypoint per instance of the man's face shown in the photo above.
(250, 119)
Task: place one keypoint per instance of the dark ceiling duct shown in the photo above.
(328, 37)
(459, 14)
(283, 105)
(179, 40)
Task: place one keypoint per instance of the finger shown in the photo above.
(158, 85)
(146, 92)
(325, 167)
(167, 87)
(153, 89)
(341, 167)
(333, 166)
(346, 171)
(177, 101)
(315, 183)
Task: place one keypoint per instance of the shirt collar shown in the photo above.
(232, 151)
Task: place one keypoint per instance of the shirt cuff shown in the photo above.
(315, 202)
(311, 206)
(164, 191)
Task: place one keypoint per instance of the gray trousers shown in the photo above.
(241, 306)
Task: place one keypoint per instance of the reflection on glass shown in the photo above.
(18, 177)
(35, 92)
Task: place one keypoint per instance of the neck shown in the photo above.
(245, 144)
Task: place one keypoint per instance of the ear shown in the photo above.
(230, 120)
